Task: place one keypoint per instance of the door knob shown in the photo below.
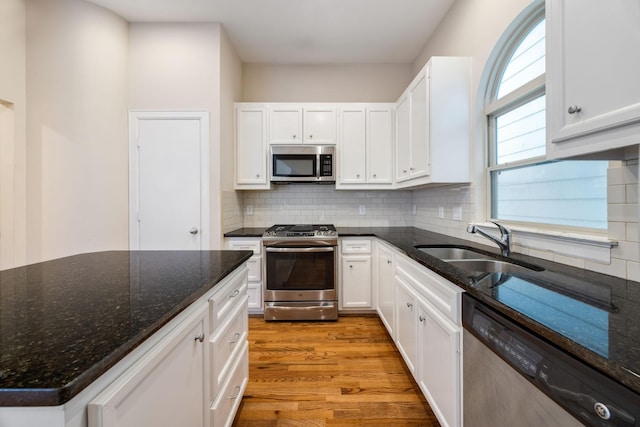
(193, 230)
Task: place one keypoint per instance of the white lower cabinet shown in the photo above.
(428, 334)
(439, 363)
(194, 375)
(255, 266)
(385, 298)
(166, 387)
(406, 332)
(355, 274)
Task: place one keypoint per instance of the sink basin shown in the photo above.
(449, 253)
(492, 266)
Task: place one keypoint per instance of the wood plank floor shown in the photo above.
(344, 373)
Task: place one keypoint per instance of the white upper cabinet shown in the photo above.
(432, 125)
(251, 147)
(593, 88)
(302, 124)
(365, 145)
(286, 124)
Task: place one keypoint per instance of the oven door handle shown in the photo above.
(301, 249)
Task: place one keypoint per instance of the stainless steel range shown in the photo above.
(301, 272)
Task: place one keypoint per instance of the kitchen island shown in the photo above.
(66, 324)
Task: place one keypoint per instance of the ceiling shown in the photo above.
(304, 31)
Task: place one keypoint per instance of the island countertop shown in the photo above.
(65, 322)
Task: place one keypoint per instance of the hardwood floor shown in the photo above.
(344, 373)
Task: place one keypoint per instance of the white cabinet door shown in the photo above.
(365, 146)
(380, 144)
(385, 287)
(403, 139)
(356, 281)
(433, 125)
(593, 90)
(420, 138)
(439, 364)
(166, 387)
(251, 148)
(406, 327)
(352, 145)
(286, 124)
(319, 125)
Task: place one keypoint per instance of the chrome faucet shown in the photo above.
(504, 243)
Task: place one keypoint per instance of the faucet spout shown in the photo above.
(504, 242)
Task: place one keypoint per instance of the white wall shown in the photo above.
(176, 66)
(230, 92)
(76, 78)
(325, 82)
(12, 133)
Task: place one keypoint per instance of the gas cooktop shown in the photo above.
(301, 230)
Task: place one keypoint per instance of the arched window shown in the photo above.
(524, 187)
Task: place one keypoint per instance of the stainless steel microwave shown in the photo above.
(303, 163)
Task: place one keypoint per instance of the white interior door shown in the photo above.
(169, 176)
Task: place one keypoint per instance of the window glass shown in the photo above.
(524, 187)
(572, 193)
(520, 133)
(526, 63)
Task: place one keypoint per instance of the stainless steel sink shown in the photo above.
(449, 253)
(492, 266)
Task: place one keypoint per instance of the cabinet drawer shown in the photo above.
(223, 302)
(442, 294)
(254, 264)
(254, 245)
(226, 404)
(356, 246)
(225, 343)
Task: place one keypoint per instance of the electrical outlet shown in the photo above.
(457, 213)
(362, 210)
(441, 212)
(249, 210)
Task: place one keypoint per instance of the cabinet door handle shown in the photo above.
(422, 318)
(235, 293)
(350, 266)
(236, 338)
(236, 393)
(409, 305)
(199, 338)
(310, 136)
(388, 261)
(574, 109)
(294, 136)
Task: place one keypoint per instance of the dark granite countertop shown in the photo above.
(602, 330)
(246, 232)
(65, 322)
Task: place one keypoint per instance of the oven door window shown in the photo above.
(294, 165)
(300, 271)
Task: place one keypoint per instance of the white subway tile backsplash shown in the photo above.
(617, 193)
(324, 204)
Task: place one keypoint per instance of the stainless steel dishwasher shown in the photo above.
(514, 378)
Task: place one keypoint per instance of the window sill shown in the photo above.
(567, 245)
